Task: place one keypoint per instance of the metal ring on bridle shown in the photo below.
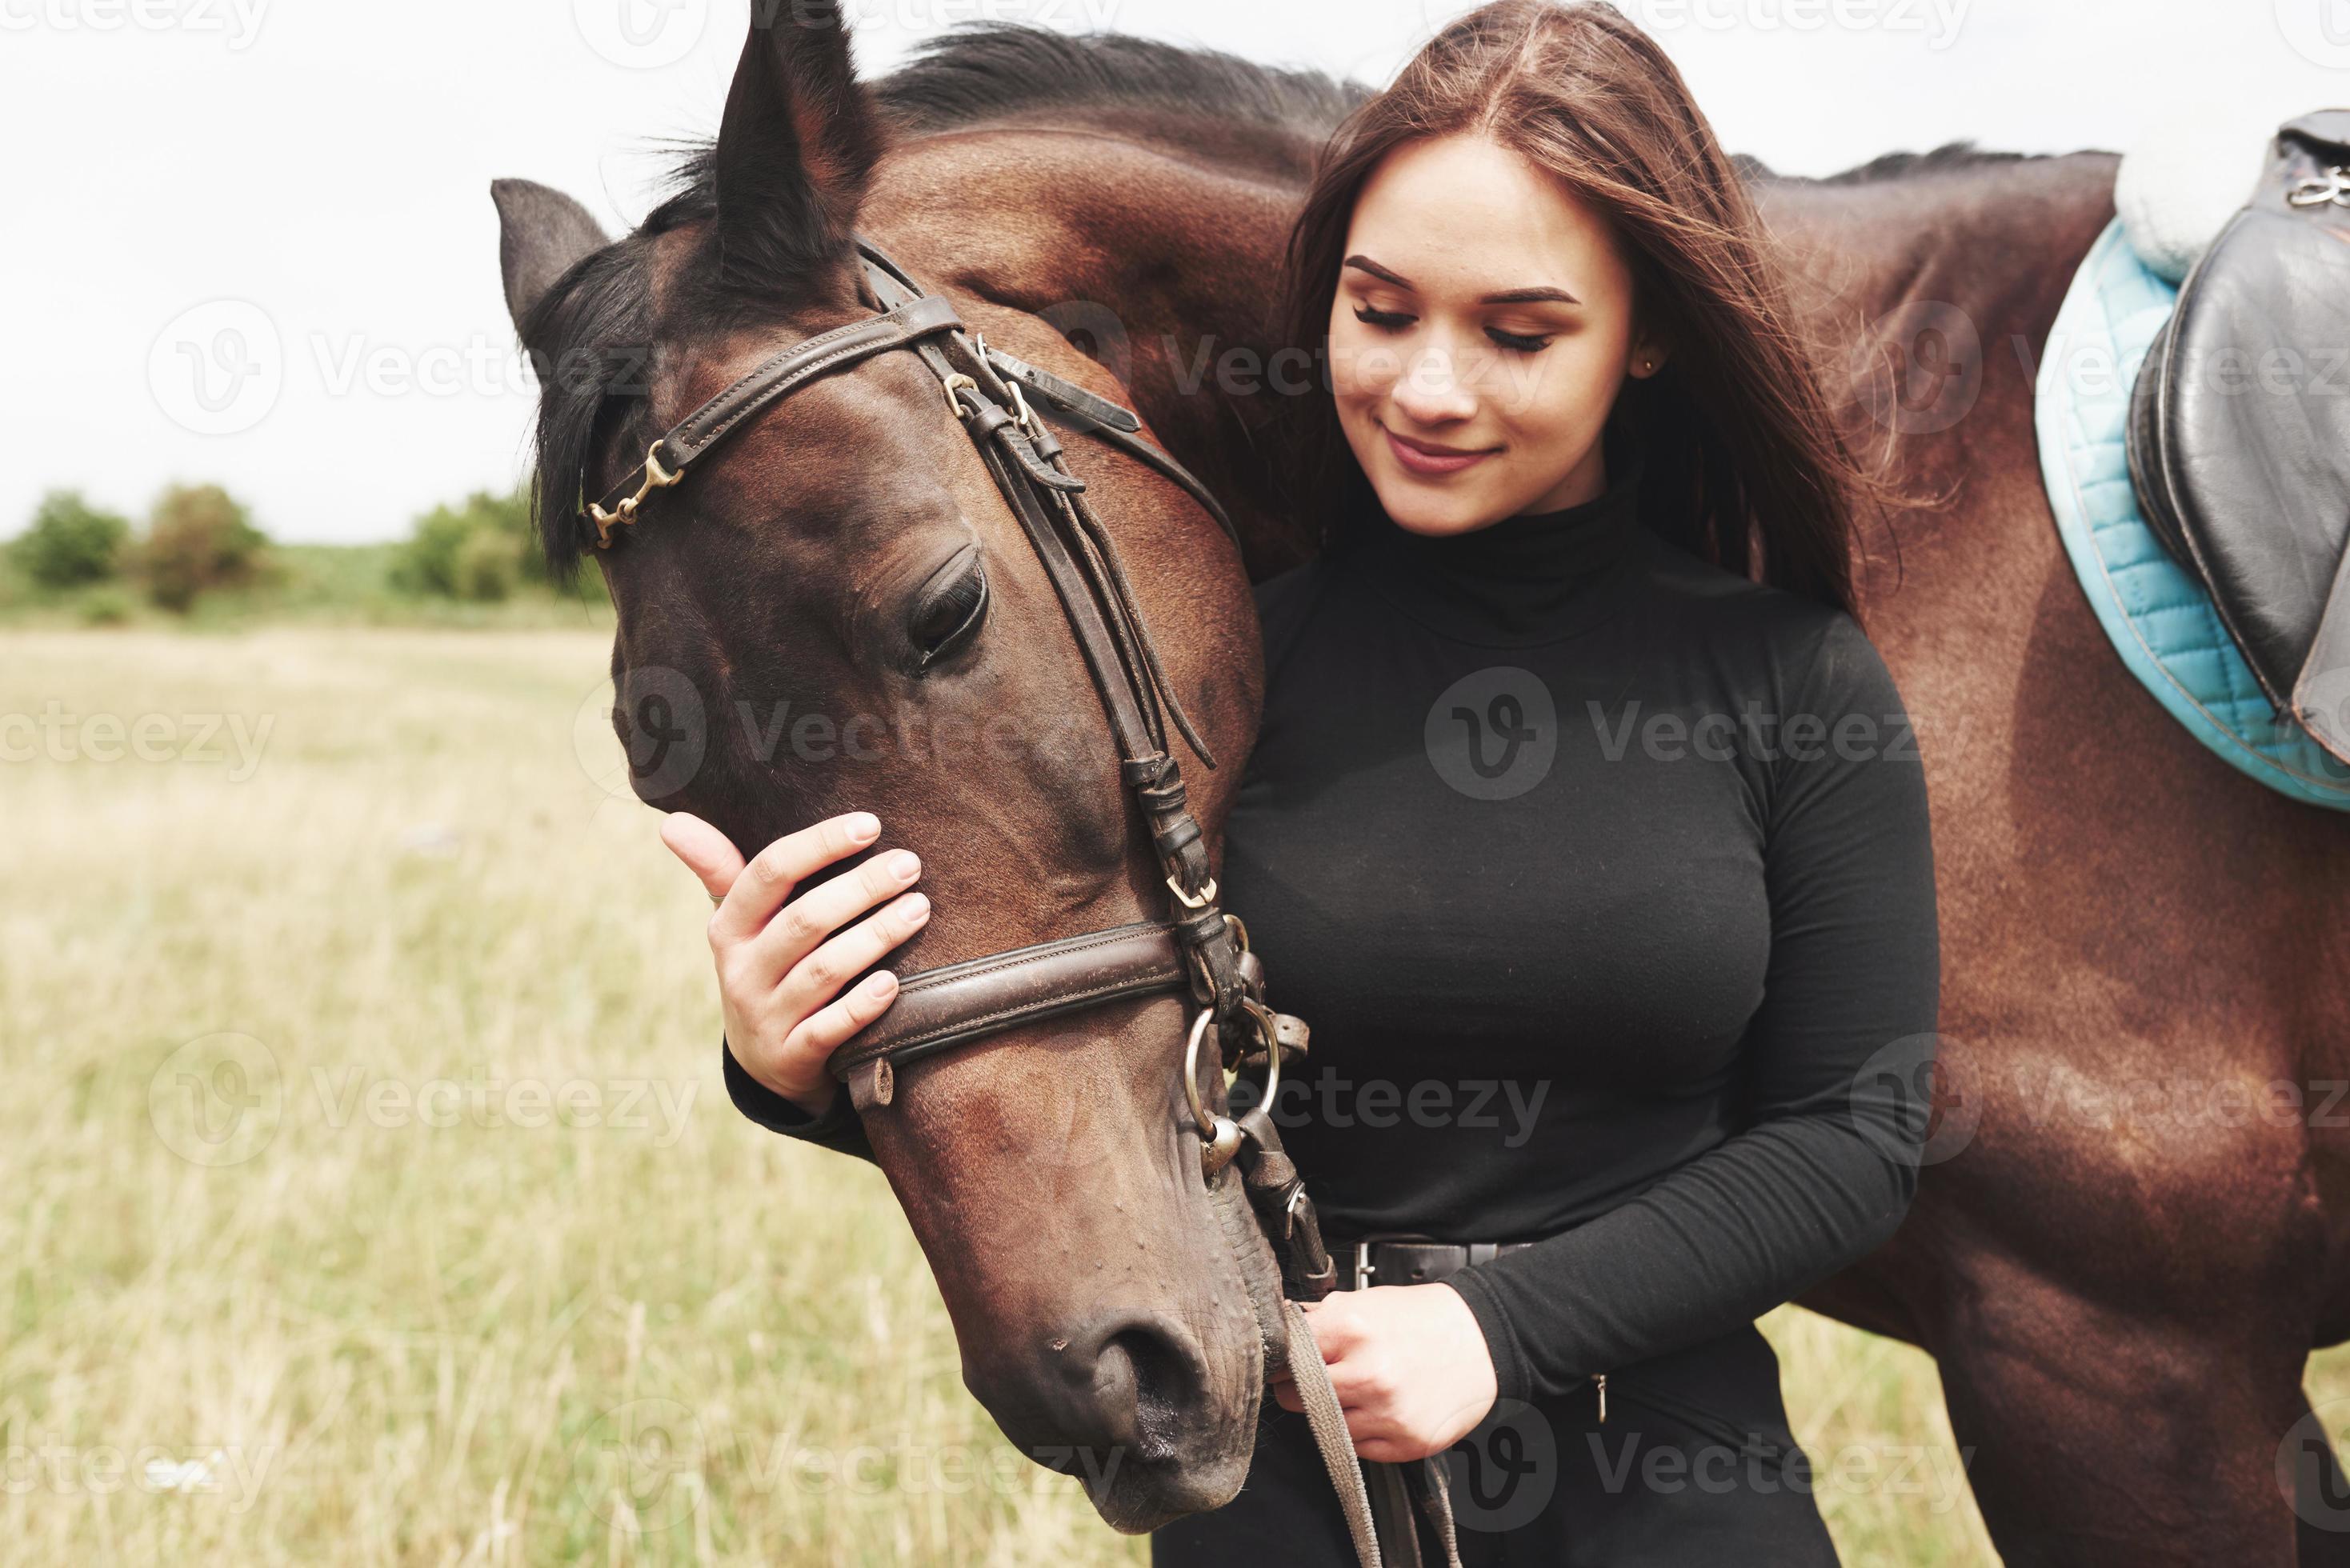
(1201, 1118)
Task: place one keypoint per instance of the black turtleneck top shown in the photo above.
(1603, 879)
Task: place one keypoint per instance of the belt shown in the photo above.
(1409, 1260)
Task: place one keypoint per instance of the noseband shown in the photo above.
(1199, 947)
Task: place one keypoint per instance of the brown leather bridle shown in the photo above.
(1199, 947)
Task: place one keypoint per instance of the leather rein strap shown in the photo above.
(1199, 947)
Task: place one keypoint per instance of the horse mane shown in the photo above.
(1950, 158)
(990, 71)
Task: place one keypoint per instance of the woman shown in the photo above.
(1585, 824)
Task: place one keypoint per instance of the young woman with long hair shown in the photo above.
(1585, 822)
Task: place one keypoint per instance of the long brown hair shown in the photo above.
(1745, 465)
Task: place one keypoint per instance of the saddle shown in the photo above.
(2239, 428)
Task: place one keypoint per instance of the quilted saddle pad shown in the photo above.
(2161, 620)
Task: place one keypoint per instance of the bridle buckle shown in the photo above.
(656, 478)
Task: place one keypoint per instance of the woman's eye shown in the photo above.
(949, 609)
(1385, 320)
(1517, 342)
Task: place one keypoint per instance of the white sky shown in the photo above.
(310, 178)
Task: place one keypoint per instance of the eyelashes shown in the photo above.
(1394, 321)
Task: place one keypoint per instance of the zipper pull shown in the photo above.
(1599, 1381)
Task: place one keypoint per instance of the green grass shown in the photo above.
(313, 584)
(634, 1333)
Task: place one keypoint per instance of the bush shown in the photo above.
(480, 550)
(107, 606)
(199, 540)
(71, 542)
(487, 566)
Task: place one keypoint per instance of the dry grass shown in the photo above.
(247, 1219)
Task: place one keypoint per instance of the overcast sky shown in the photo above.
(251, 241)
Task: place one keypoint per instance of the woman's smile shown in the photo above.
(1428, 459)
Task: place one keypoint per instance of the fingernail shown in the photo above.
(881, 984)
(917, 907)
(863, 826)
(905, 865)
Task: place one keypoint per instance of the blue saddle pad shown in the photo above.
(2161, 620)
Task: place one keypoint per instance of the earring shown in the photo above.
(1648, 364)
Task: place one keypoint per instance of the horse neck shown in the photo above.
(1929, 298)
(1155, 261)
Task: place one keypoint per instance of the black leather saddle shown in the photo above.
(2239, 427)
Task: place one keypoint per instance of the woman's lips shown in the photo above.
(1429, 463)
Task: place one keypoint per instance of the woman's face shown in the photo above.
(1482, 329)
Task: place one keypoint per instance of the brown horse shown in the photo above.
(2121, 1280)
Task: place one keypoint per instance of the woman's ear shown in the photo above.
(1648, 355)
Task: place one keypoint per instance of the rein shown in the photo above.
(1199, 948)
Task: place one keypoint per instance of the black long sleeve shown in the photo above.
(840, 1129)
(1604, 878)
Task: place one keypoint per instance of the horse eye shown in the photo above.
(949, 608)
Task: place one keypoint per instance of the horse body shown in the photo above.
(2120, 1253)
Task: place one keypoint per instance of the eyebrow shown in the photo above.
(1504, 296)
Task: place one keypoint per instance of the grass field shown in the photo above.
(373, 1196)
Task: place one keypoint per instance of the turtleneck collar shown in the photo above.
(1535, 577)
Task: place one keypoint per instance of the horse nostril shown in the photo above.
(1159, 1380)
(1137, 1383)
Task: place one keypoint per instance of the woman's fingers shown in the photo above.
(709, 854)
(769, 878)
(795, 936)
(820, 1033)
(811, 981)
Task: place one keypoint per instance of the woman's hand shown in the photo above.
(780, 966)
(1410, 1366)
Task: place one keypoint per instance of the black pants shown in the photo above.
(1694, 1467)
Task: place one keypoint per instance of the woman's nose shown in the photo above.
(1429, 391)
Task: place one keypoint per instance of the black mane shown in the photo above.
(1002, 70)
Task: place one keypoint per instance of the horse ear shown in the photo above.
(541, 231)
(796, 148)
